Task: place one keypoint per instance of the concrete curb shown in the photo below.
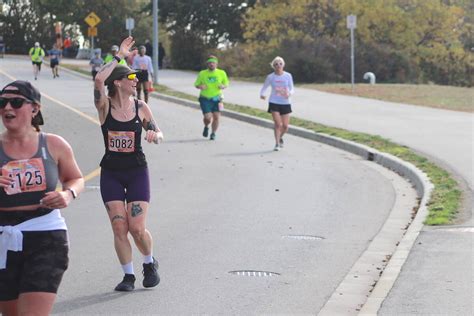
(347, 298)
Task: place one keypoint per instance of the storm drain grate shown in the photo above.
(303, 237)
(254, 273)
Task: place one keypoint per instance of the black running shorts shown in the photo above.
(38, 268)
(283, 109)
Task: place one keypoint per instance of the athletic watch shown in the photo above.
(118, 59)
(73, 192)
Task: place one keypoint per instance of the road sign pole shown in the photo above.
(92, 46)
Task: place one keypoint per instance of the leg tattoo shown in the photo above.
(117, 217)
(136, 209)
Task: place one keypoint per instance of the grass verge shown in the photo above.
(446, 196)
(434, 96)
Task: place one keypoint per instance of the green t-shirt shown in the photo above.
(36, 54)
(212, 79)
(110, 57)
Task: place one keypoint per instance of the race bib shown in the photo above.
(123, 142)
(281, 91)
(28, 175)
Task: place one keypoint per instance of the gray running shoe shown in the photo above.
(213, 136)
(127, 284)
(282, 143)
(277, 147)
(150, 274)
(205, 132)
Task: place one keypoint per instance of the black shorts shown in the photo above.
(281, 108)
(38, 268)
(37, 63)
(142, 75)
(53, 63)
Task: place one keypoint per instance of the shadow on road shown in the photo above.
(86, 301)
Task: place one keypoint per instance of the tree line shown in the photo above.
(401, 41)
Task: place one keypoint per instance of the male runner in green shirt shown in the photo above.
(110, 56)
(211, 81)
(37, 54)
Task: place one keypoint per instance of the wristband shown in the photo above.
(118, 59)
(73, 192)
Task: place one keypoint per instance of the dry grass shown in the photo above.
(434, 96)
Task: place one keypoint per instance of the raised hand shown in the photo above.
(126, 46)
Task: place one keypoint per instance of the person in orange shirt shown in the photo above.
(67, 46)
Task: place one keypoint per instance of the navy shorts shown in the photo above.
(209, 105)
(38, 268)
(53, 63)
(128, 185)
(280, 108)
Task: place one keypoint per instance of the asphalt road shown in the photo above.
(438, 277)
(216, 207)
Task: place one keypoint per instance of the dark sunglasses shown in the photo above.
(16, 103)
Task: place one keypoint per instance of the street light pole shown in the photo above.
(155, 41)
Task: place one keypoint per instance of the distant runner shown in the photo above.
(110, 56)
(54, 56)
(279, 102)
(142, 63)
(211, 81)
(36, 54)
(96, 62)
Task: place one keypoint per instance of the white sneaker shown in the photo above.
(282, 143)
(277, 147)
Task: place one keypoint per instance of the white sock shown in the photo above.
(128, 268)
(148, 259)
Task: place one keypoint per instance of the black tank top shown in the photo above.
(122, 140)
(33, 177)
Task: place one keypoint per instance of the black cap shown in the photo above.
(119, 72)
(26, 89)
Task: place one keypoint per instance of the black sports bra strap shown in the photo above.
(136, 108)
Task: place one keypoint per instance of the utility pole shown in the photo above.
(351, 24)
(155, 41)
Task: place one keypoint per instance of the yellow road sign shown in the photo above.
(92, 31)
(92, 19)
